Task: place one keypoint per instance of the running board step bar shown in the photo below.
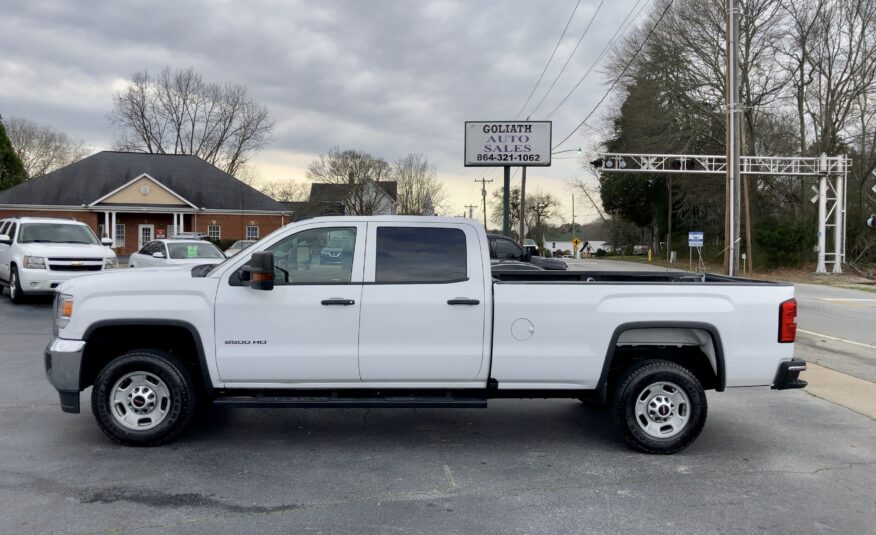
(330, 402)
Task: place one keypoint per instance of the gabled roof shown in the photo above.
(92, 178)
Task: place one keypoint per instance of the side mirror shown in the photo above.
(5, 238)
(157, 255)
(260, 270)
(106, 241)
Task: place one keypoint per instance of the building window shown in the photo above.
(214, 231)
(252, 232)
(120, 236)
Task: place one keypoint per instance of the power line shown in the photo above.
(549, 60)
(616, 80)
(605, 49)
(569, 58)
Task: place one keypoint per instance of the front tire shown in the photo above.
(143, 398)
(15, 293)
(660, 407)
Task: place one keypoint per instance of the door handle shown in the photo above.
(338, 301)
(463, 301)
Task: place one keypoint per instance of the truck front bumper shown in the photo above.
(788, 375)
(63, 359)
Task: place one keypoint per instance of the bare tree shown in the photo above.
(177, 112)
(41, 148)
(362, 174)
(285, 190)
(418, 184)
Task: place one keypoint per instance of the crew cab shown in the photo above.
(414, 319)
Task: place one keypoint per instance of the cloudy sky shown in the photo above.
(387, 77)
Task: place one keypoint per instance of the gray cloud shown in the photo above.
(389, 77)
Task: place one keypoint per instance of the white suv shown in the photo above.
(39, 253)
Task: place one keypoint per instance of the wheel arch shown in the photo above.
(107, 339)
(616, 352)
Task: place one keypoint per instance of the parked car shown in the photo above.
(238, 246)
(504, 248)
(416, 320)
(39, 253)
(337, 251)
(639, 250)
(169, 252)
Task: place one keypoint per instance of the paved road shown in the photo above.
(778, 462)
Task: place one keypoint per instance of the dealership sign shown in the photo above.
(507, 143)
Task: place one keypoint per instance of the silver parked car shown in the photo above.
(171, 252)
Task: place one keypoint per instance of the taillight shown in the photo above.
(788, 321)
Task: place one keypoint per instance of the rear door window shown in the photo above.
(410, 255)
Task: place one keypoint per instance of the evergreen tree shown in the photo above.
(11, 170)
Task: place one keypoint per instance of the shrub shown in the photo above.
(785, 243)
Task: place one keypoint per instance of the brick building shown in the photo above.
(134, 198)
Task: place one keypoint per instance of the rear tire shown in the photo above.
(660, 407)
(143, 398)
(15, 293)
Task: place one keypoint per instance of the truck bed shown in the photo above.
(645, 277)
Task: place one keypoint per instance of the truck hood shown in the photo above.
(67, 250)
(129, 280)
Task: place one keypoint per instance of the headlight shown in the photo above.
(110, 262)
(64, 310)
(34, 262)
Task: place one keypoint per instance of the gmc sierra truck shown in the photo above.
(410, 315)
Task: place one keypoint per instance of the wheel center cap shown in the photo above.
(139, 401)
(663, 410)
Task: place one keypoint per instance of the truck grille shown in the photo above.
(75, 264)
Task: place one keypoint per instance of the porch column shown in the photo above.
(182, 222)
(106, 223)
(112, 227)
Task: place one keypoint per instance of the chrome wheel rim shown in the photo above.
(140, 401)
(662, 409)
(13, 282)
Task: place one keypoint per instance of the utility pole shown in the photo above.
(522, 217)
(506, 202)
(471, 208)
(483, 182)
(669, 219)
(574, 253)
(731, 226)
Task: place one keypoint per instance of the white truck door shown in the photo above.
(306, 329)
(423, 305)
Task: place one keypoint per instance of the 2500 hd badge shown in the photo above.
(245, 342)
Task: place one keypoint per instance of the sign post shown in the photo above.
(506, 144)
(695, 241)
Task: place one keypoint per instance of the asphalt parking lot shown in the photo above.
(778, 462)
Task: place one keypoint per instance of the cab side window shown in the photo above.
(507, 249)
(419, 255)
(315, 256)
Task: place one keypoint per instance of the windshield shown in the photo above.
(241, 244)
(56, 233)
(180, 251)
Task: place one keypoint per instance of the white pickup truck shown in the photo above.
(406, 313)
